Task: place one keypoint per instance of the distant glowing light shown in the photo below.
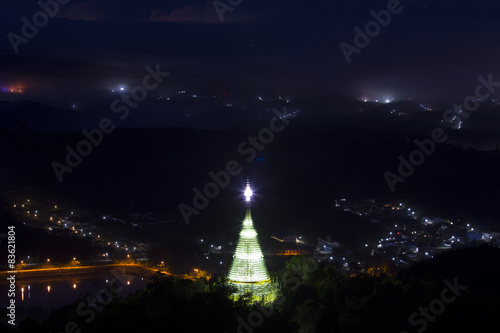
(248, 193)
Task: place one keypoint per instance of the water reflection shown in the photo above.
(54, 294)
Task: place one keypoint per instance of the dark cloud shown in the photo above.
(86, 10)
(431, 50)
(188, 13)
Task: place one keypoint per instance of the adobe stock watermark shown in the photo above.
(372, 29)
(221, 7)
(40, 19)
(247, 149)
(120, 106)
(449, 294)
(451, 117)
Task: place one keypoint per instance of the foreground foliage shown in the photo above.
(314, 298)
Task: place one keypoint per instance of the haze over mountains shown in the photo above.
(303, 168)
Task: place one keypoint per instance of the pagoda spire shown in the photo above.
(248, 272)
(248, 201)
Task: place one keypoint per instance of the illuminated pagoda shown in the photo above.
(248, 272)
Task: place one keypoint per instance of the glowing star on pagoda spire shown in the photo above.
(248, 192)
(248, 272)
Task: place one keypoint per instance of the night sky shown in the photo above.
(432, 51)
(359, 90)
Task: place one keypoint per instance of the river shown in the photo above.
(37, 297)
